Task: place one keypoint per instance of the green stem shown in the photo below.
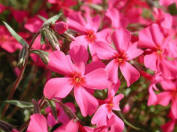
(127, 123)
(20, 77)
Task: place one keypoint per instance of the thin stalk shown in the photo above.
(20, 77)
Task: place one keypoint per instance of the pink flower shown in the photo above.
(76, 78)
(104, 115)
(38, 123)
(61, 4)
(125, 51)
(60, 27)
(34, 23)
(114, 16)
(62, 117)
(169, 126)
(38, 46)
(2, 8)
(156, 43)
(19, 15)
(93, 1)
(163, 19)
(89, 31)
(7, 42)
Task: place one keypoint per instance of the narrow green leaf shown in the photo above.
(20, 104)
(53, 19)
(42, 18)
(15, 35)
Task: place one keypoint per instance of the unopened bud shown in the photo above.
(23, 56)
(51, 37)
(60, 27)
(43, 55)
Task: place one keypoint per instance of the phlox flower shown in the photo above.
(157, 51)
(62, 4)
(169, 126)
(104, 115)
(33, 24)
(169, 92)
(2, 8)
(62, 117)
(7, 42)
(124, 52)
(75, 78)
(88, 29)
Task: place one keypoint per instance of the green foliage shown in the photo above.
(16, 36)
(20, 104)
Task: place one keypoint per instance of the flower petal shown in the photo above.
(145, 39)
(114, 15)
(174, 108)
(60, 63)
(87, 103)
(130, 73)
(117, 125)
(38, 123)
(152, 96)
(169, 126)
(57, 87)
(104, 51)
(150, 61)
(96, 79)
(94, 65)
(100, 116)
(121, 38)
(112, 71)
(157, 35)
(133, 52)
(116, 101)
(79, 54)
(80, 40)
(163, 101)
(71, 125)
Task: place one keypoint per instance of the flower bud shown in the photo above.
(60, 27)
(42, 54)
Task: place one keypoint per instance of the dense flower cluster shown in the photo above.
(100, 45)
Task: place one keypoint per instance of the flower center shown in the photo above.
(121, 58)
(174, 93)
(110, 104)
(90, 1)
(90, 36)
(3, 38)
(159, 52)
(77, 79)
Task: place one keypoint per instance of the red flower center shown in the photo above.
(90, 1)
(121, 58)
(77, 79)
(3, 38)
(90, 36)
(110, 104)
(173, 93)
(159, 52)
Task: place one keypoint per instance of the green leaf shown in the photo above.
(20, 104)
(53, 19)
(15, 35)
(42, 18)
